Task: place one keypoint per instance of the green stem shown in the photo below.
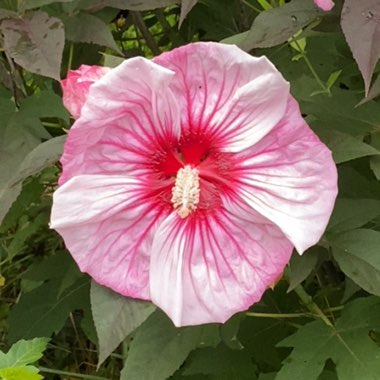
(277, 315)
(52, 125)
(71, 54)
(149, 39)
(311, 305)
(311, 68)
(71, 374)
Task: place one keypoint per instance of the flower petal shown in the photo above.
(77, 84)
(325, 5)
(236, 98)
(107, 225)
(129, 113)
(290, 178)
(204, 270)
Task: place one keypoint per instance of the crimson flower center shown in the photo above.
(193, 173)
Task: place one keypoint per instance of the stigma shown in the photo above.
(185, 192)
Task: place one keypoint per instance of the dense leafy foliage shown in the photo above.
(320, 321)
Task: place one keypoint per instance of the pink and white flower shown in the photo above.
(188, 181)
(325, 5)
(75, 87)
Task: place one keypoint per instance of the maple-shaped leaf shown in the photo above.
(351, 345)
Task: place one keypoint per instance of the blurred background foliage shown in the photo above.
(321, 321)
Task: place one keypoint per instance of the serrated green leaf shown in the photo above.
(115, 317)
(159, 348)
(348, 345)
(35, 42)
(23, 353)
(349, 214)
(357, 253)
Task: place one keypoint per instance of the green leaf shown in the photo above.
(301, 266)
(375, 166)
(84, 27)
(31, 194)
(23, 352)
(348, 345)
(267, 376)
(345, 147)
(339, 112)
(186, 6)
(275, 26)
(112, 60)
(16, 146)
(133, 5)
(333, 78)
(360, 23)
(46, 309)
(20, 373)
(229, 331)
(349, 214)
(24, 5)
(357, 253)
(43, 155)
(44, 104)
(159, 348)
(221, 363)
(35, 42)
(26, 230)
(115, 317)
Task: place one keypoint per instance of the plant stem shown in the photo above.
(310, 66)
(72, 374)
(311, 305)
(71, 54)
(277, 315)
(149, 39)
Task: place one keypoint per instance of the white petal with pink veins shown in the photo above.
(129, 113)
(226, 93)
(207, 269)
(108, 227)
(290, 178)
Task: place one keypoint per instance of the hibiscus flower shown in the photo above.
(189, 179)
